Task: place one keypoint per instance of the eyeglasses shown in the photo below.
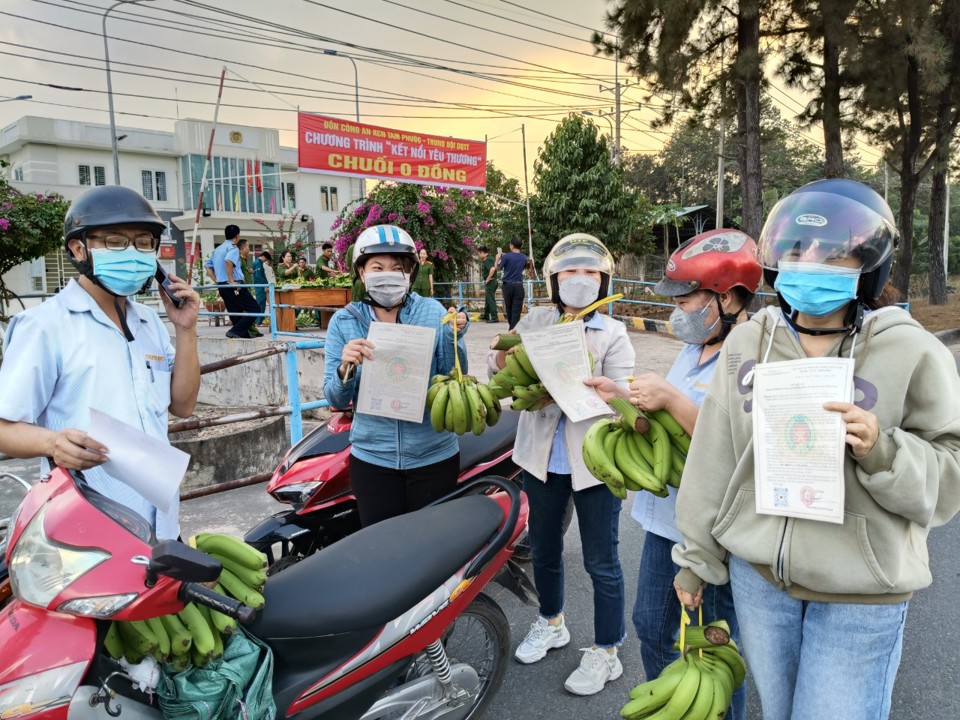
(144, 242)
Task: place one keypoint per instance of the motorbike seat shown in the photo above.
(494, 441)
(377, 574)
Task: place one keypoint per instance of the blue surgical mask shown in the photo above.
(123, 272)
(815, 289)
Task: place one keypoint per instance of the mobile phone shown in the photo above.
(164, 283)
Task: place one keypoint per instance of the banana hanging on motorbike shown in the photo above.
(712, 278)
(400, 635)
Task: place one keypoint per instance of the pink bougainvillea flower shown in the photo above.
(4, 224)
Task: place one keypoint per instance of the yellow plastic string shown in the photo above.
(684, 621)
(451, 317)
(593, 306)
(700, 621)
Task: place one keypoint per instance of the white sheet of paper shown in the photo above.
(394, 383)
(559, 355)
(799, 447)
(150, 466)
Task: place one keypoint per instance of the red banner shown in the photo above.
(343, 147)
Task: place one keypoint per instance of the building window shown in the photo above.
(99, 176)
(18, 173)
(154, 185)
(329, 202)
(289, 196)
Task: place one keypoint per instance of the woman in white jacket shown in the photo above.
(577, 271)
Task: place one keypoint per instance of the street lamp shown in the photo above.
(356, 78)
(106, 57)
(613, 151)
(18, 97)
(356, 99)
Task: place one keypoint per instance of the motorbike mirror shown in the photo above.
(181, 562)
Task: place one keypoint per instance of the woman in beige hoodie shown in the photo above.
(822, 604)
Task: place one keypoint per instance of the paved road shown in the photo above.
(927, 686)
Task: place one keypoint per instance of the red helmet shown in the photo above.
(716, 260)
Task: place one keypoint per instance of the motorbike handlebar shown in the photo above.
(194, 592)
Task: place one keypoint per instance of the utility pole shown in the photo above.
(723, 131)
(617, 91)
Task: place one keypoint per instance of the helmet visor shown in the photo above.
(584, 253)
(818, 227)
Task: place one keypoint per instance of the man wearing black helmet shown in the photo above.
(92, 347)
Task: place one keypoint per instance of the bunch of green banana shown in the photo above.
(518, 379)
(196, 634)
(637, 451)
(461, 404)
(697, 686)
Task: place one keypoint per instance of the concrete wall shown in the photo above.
(261, 382)
(233, 454)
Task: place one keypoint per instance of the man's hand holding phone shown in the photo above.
(181, 301)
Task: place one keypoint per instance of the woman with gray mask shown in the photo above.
(711, 278)
(396, 466)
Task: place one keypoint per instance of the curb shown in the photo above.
(948, 337)
(645, 324)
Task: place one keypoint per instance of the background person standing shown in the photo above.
(423, 284)
(488, 271)
(226, 267)
(513, 264)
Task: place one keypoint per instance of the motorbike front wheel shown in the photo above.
(479, 637)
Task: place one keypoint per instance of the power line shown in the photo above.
(559, 19)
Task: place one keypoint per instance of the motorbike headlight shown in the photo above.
(103, 606)
(298, 493)
(40, 569)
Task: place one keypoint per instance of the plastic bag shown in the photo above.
(237, 686)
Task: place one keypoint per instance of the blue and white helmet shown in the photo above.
(386, 240)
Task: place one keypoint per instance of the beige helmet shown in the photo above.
(578, 251)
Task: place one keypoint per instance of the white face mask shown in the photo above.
(387, 288)
(578, 291)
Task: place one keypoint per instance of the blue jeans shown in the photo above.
(815, 660)
(656, 614)
(598, 515)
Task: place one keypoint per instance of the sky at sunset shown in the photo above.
(464, 68)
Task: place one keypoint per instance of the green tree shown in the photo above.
(500, 211)
(818, 37)
(579, 189)
(906, 65)
(31, 225)
(675, 46)
(438, 218)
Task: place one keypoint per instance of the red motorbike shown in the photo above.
(314, 479)
(388, 622)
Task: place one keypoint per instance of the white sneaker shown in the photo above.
(542, 637)
(597, 668)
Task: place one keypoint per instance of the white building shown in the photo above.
(251, 177)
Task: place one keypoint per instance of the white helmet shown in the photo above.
(386, 240)
(578, 251)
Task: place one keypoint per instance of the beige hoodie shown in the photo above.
(908, 483)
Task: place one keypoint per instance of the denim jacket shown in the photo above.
(396, 444)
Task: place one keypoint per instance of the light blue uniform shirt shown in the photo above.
(659, 515)
(559, 463)
(65, 357)
(218, 261)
